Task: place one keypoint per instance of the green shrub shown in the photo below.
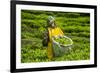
(74, 25)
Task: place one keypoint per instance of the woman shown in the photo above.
(52, 31)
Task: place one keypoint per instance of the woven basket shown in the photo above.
(60, 49)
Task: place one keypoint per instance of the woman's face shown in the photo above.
(51, 23)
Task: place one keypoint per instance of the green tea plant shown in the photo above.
(74, 25)
(62, 41)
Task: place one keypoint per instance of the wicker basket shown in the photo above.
(60, 49)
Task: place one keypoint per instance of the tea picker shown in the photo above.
(54, 48)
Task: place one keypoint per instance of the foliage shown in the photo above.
(74, 25)
(62, 40)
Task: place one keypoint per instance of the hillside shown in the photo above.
(74, 25)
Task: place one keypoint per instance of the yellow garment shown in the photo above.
(52, 32)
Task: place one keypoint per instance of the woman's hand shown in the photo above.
(60, 36)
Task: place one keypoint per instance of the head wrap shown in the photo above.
(51, 18)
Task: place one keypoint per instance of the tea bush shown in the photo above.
(74, 25)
